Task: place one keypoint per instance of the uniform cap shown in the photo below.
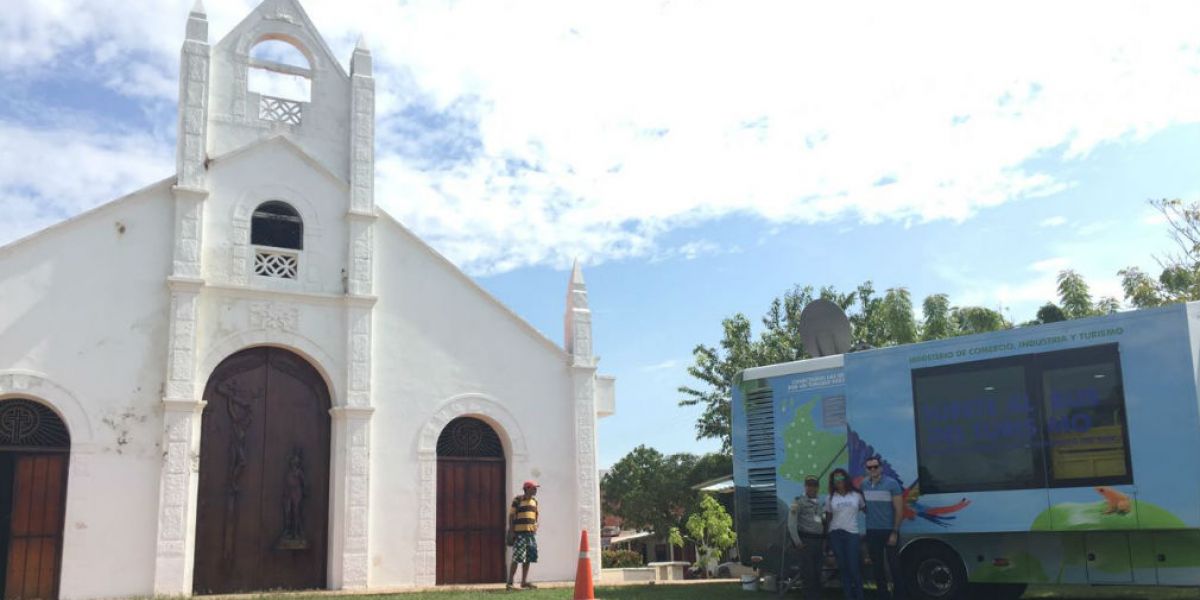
(529, 483)
(811, 479)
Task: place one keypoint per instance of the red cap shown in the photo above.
(529, 483)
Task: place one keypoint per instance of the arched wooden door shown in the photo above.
(472, 509)
(263, 501)
(34, 453)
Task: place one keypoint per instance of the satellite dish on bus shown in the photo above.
(824, 328)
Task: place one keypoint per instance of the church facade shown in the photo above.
(248, 377)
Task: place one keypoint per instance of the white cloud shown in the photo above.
(1154, 217)
(1050, 265)
(47, 175)
(565, 129)
(665, 365)
(1057, 221)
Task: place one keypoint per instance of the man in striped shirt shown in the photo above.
(522, 526)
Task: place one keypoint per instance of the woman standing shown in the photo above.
(845, 503)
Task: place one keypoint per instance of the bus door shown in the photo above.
(1087, 458)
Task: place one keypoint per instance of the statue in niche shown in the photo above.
(292, 537)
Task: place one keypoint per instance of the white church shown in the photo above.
(248, 377)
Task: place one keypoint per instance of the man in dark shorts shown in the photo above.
(522, 526)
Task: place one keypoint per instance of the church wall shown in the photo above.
(84, 306)
(325, 119)
(438, 337)
(243, 181)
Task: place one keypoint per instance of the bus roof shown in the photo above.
(837, 361)
(791, 368)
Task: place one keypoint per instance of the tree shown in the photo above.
(936, 309)
(977, 319)
(1074, 296)
(711, 528)
(1050, 313)
(1075, 300)
(716, 368)
(1179, 280)
(649, 490)
(710, 466)
(896, 319)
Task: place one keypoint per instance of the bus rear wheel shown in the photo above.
(933, 571)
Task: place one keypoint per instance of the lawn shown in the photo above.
(732, 591)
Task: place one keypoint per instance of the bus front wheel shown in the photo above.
(934, 572)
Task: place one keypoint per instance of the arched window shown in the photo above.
(467, 437)
(277, 228)
(278, 225)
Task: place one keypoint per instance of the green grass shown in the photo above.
(732, 591)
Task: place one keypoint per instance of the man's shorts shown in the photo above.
(525, 548)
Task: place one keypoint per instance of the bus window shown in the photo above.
(976, 428)
(1084, 408)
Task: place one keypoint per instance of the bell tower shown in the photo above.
(274, 237)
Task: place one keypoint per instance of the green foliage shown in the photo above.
(1074, 296)
(649, 490)
(1050, 313)
(653, 491)
(675, 538)
(896, 317)
(711, 528)
(620, 559)
(938, 325)
(977, 319)
(710, 466)
(1179, 280)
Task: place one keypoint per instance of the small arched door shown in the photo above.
(34, 453)
(262, 514)
(472, 508)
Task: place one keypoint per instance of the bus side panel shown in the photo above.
(809, 434)
(1158, 367)
(881, 419)
(1159, 385)
(810, 429)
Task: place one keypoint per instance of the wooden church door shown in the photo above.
(34, 452)
(472, 507)
(263, 501)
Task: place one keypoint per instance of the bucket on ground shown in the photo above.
(750, 583)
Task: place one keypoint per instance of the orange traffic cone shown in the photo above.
(583, 574)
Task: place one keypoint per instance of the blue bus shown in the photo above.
(1062, 453)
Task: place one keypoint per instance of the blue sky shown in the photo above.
(699, 157)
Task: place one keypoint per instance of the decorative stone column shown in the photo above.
(578, 341)
(182, 405)
(351, 503)
(350, 509)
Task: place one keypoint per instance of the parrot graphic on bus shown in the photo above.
(860, 451)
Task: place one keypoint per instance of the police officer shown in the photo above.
(806, 524)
